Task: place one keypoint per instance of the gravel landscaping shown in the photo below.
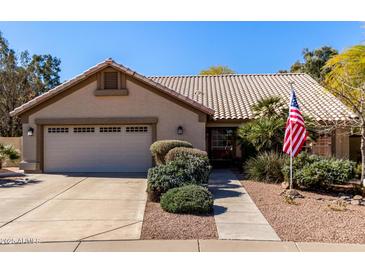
(158, 224)
(311, 219)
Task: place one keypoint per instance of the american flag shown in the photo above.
(295, 131)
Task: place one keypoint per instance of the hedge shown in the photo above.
(182, 151)
(159, 149)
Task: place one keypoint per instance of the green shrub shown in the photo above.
(324, 173)
(183, 170)
(266, 167)
(187, 199)
(8, 152)
(182, 151)
(159, 149)
(312, 171)
(299, 162)
(358, 169)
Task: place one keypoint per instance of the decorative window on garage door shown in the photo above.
(136, 129)
(84, 129)
(58, 130)
(110, 129)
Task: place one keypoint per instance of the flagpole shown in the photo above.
(291, 140)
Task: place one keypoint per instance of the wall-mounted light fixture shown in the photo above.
(180, 130)
(30, 131)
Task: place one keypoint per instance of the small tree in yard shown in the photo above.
(346, 81)
(7, 152)
(266, 130)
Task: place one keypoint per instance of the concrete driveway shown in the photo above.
(73, 207)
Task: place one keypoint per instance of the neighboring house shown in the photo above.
(105, 119)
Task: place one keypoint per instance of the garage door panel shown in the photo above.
(125, 150)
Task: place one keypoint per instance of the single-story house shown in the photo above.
(105, 119)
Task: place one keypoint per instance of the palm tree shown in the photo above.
(7, 152)
(270, 107)
(265, 134)
(266, 131)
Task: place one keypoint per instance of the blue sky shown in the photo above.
(179, 48)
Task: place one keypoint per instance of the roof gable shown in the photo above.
(93, 70)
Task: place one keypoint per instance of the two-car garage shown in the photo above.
(105, 120)
(97, 148)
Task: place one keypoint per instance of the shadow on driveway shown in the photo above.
(123, 175)
(8, 182)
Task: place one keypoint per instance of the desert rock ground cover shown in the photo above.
(311, 219)
(158, 224)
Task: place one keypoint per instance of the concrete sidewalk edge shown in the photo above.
(182, 246)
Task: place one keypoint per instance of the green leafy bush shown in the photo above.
(324, 173)
(187, 199)
(312, 171)
(299, 162)
(159, 149)
(183, 151)
(183, 170)
(8, 152)
(358, 169)
(266, 167)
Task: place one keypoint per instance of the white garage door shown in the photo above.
(117, 148)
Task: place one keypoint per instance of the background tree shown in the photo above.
(345, 78)
(266, 130)
(314, 62)
(22, 77)
(217, 70)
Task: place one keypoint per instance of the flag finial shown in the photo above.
(291, 84)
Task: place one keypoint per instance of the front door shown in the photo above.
(222, 144)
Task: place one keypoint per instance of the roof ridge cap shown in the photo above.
(230, 75)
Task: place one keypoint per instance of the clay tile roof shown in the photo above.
(231, 96)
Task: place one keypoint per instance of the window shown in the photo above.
(222, 138)
(111, 80)
(110, 129)
(83, 129)
(58, 130)
(136, 129)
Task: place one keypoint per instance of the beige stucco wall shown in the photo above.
(139, 103)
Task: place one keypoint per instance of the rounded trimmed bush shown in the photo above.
(159, 149)
(183, 151)
(190, 199)
(183, 170)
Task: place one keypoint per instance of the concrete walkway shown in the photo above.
(182, 246)
(236, 215)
